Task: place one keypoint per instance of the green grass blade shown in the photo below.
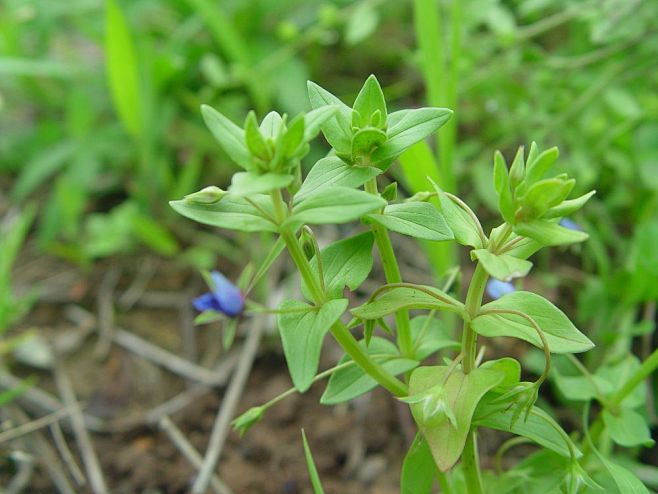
(312, 471)
(122, 69)
(417, 163)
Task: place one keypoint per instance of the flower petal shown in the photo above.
(497, 288)
(228, 296)
(207, 301)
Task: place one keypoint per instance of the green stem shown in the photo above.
(392, 273)
(473, 304)
(470, 465)
(338, 330)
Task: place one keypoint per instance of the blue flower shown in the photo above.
(225, 297)
(497, 288)
(570, 224)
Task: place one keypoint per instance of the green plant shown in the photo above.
(449, 402)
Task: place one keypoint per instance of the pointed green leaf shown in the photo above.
(628, 428)
(501, 175)
(369, 100)
(568, 207)
(502, 266)
(539, 427)
(248, 183)
(627, 482)
(230, 136)
(538, 167)
(543, 195)
(293, 138)
(332, 171)
(352, 381)
(254, 139)
(549, 233)
(416, 219)
(302, 331)
(406, 128)
(560, 333)
(233, 213)
(271, 125)
(314, 120)
(334, 205)
(398, 298)
(463, 392)
(464, 225)
(418, 468)
(346, 262)
(338, 129)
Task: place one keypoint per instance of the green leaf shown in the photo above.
(315, 119)
(302, 332)
(626, 481)
(254, 139)
(463, 224)
(567, 208)
(293, 138)
(539, 427)
(462, 394)
(352, 381)
(271, 125)
(543, 195)
(429, 335)
(249, 183)
(501, 175)
(509, 367)
(334, 205)
(338, 129)
(369, 100)
(560, 333)
(233, 213)
(549, 233)
(538, 167)
(331, 172)
(406, 128)
(154, 235)
(416, 219)
(365, 140)
(346, 262)
(310, 465)
(123, 69)
(230, 137)
(418, 468)
(502, 266)
(396, 298)
(628, 428)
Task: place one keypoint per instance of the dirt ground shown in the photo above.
(358, 448)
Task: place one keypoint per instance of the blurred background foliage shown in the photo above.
(100, 121)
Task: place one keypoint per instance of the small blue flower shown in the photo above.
(570, 224)
(225, 297)
(497, 288)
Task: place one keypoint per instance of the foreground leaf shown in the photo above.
(464, 226)
(344, 263)
(334, 205)
(560, 333)
(539, 427)
(502, 266)
(549, 233)
(333, 171)
(230, 136)
(247, 183)
(302, 333)
(416, 219)
(233, 213)
(463, 392)
(418, 468)
(396, 298)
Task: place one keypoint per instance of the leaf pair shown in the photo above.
(366, 133)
